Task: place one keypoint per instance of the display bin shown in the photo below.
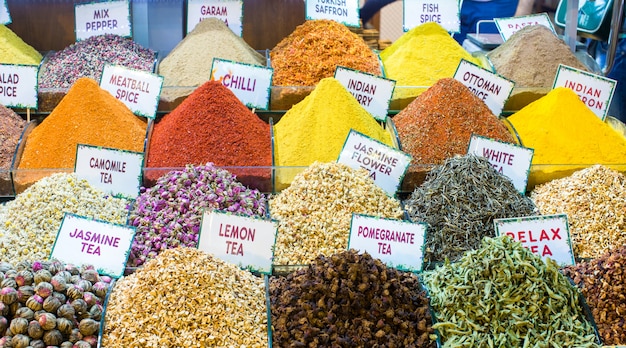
(6, 183)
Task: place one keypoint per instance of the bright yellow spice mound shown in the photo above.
(13, 50)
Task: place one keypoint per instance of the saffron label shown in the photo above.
(443, 12)
(99, 18)
(386, 165)
(491, 88)
(510, 25)
(545, 235)
(371, 91)
(342, 11)
(5, 16)
(595, 91)
(104, 245)
(137, 89)
(242, 240)
(399, 244)
(18, 86)
(250, 83)
(116, 172)
(229, 11)
(512, 161)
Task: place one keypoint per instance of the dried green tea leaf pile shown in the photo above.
(502, 295)
(459, 200)
(349, 300)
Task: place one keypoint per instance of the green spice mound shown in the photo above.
(13, 50)
(503, 295)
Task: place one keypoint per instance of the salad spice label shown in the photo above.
(13, 50)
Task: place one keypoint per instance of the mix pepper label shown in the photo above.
(342, 11)
(491, 88)
(229, 11)
(99, 18)
(510, 25)
(137, 89)
(443, 12)
(372, 92)
(18, 85)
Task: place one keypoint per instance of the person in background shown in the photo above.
(473, 11)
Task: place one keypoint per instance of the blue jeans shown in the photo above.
(617, 108)
(371, 7)
(474, 11)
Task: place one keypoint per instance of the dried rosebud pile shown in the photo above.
(603, 282)
(349, 300)
(169, 214)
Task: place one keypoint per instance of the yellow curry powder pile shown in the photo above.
(13, 50)
(563, 130)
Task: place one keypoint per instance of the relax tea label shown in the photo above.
(545, 235)
(342, 11)
(510, 25)
(250, 83)
(371, 91)
(397, 243)
(229, 11)
(18, 86)
(104, 245)
(114, 171)
(139, 90)
(385, 164)
(511, 160)
(242, 240)
(595, 91)
(99, 18)
(5, 16)
(491, 88)
(444, 12)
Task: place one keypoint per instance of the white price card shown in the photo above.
(99, 18)
(446, 13)
(595, 91)
(250, 83)
(511, 160)
(242, 240)
(229, 11)
(510, 25)
(18, 86)
(545, 235)
(399, 244)
(342, 11)
(85, 241)
(371, 91)
(491, 88)
(114, 171)
(139, 90)
(385, 164)
(5, 16)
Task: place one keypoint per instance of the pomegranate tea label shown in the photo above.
(342, 11)
(250, 83)
(594, 90)
(229, 11)
(18, 86)
(371, 91)
(99, 18)
(510, 25)
(491, 88)
(444, 12)
(139, 90)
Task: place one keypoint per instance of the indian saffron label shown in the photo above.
(443, 12)
(18, 86)
(342, 11)
(99, 18)
(139, 90)
(5, 16)
(114, 171)
(595, 91)
(491, 88)
(546, 235)
(229, 11)
(510, 25)
(399, 244)
(242, 240)
(250, 83)
(371, 91)
(104, 245)
(510, 160)
(386, 165)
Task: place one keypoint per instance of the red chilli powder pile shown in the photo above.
(212, 125)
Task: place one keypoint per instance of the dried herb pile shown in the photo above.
(502, 295)
(459, 201)
(13, 50)
(349, 300)
(603, 282)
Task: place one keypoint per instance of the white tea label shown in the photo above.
(229, 11)
(595, 91)
(139, 90)
(5, 16)
(443, 12)
(510, 25)
(99, 18)
(372, 92)
(491, 88)
(250, 83)
(18, 86)
(342, 11)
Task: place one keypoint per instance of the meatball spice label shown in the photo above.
(511, 160)
(109, 17)
(546, 235)
(594, 90)
(244, 241)
(342, 11)
(443, 12)
(372, 92)
(114, 171)
(509, 26)
(229, 11)
(5, 16)
(81, 240)
(250, 83)
(399, 244)
(18, 85)
(385, 164)
(491, 88)
(137, 89)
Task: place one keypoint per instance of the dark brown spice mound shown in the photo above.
(11, 128)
